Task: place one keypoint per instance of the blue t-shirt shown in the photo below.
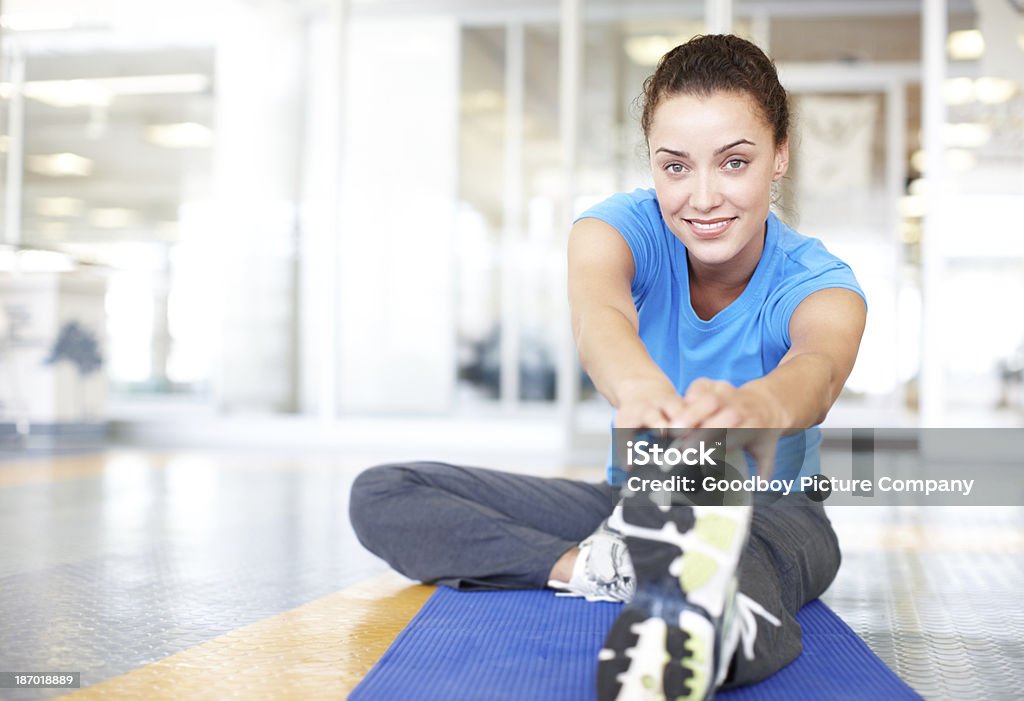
(744, 341)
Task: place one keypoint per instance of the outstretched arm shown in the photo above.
(825, 331)
(605, 325)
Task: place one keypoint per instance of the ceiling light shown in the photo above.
(965, 45)
(917, 161)
(58, 164)
(958, 91)
(167, 230)
(101, 91)
(59, 206)
(28, 22)
(182, 135)
(993, 91)
(482, 101)
(960, 161)
(911, 206)
(966, 134)
(36, 261)
(648, 50)
(113, 218)
(53, 228)
(68, 93)
(156, 84)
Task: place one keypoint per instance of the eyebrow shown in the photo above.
(718, 151)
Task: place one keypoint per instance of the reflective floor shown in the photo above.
(936, 592)
(116, 561)
(206, 575)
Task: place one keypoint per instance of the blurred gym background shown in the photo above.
(250, 247)
(342, 223)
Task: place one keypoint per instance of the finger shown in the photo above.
(657, 419)
(649, 417)
(675, 413)
(724, 417)
(699, 403)
(703, 384)
(705, 435)
(625, 418)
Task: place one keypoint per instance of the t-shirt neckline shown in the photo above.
(749, 294)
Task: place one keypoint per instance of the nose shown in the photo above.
(705, 195)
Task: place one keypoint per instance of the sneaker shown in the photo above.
(603, 570)
(676, 639)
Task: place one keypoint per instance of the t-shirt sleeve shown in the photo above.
(825, 272)
(631, 215)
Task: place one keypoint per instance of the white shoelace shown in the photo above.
(603, 571)
(615, 591)
(746, 608)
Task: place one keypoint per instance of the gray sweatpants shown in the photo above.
(474, 528)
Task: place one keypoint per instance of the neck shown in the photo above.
(715, 287)
(731, 276)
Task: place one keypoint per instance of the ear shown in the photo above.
(781, 160)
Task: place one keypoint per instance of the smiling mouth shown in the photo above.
(709, 228)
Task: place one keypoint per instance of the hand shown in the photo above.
(653, 404)
(754, 418)
(644, 404)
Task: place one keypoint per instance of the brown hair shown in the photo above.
(712, 63)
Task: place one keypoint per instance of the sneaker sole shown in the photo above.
(657, 657)
(662, 646)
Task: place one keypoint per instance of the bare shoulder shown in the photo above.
(600, 269)
(832, 318)
(596, 246)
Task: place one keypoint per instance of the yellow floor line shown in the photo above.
(318, 651)
(54, 469)
(51, 469)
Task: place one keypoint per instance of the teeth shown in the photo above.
(709, 227)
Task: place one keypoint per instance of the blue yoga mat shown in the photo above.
(516, 645)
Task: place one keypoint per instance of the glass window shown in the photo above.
(117, 146)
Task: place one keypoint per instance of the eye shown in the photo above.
(675, 168)
(735, 164)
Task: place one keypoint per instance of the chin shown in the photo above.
(717, 258)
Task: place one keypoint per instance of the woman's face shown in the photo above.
(714, 160)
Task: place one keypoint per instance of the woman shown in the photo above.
(693, 307)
